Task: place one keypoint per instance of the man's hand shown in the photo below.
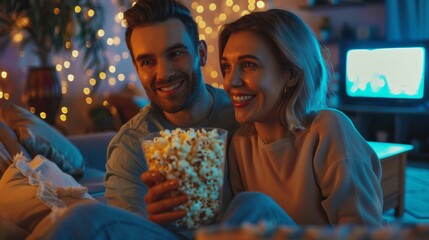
(162, 199)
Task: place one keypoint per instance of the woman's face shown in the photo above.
(253, 78)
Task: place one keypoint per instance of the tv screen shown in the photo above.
(384, 73)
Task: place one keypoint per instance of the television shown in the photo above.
(383, 73)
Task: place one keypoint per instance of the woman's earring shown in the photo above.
(285, 89)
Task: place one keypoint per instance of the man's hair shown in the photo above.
(145, 12)
(296, 49)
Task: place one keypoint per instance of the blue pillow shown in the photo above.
(5, 159)
(38, 137)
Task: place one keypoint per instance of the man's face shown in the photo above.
(167, 64)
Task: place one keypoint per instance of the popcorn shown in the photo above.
(196, 158)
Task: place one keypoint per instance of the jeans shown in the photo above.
(99, 221)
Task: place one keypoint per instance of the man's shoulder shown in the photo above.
(222, 115)
(137, 125)
(221, 98)
(218, 92)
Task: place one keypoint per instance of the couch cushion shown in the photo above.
(9, 146)
(5, 159)
(27, 197)
(10, 141)
(9, 230)
(38, 137)
(93, 180)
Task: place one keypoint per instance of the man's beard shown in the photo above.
(196, 83)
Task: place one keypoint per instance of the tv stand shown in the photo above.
(411, 109)
(406, 125)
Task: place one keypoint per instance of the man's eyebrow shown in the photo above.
(171, 48)
(175, 46)
(143, 56)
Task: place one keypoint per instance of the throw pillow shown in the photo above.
(5, 159)
(8, 230)
(38, 137)
(33, 190)
(10, 140)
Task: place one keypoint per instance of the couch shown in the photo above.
(93, 147)
(79, 160)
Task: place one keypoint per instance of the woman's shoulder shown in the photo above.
(338, 135)
(330, 113)
(331, 117)
(333, 123)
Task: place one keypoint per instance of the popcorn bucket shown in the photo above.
(196, 157)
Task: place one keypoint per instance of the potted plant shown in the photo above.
(48, 27)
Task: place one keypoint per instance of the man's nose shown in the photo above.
(164, 69)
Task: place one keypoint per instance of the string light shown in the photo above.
(109, 41)
(3, 91)
(75, 53)
(86, 91)
(68, 45)
(42, 115)
(200, 9)
(63, 117)
(17, 38)
(116, 40)
(210, 48)
(91, 13)
(236, 8)
(112, 69)
(92, 81)
(100, 33)
(112, 81)
(194, 5)
(117, 58)
(260, 4)
(88, 100)
(77, 9)
(102, 75)
(70, 77)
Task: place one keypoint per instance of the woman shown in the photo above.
(307, 157)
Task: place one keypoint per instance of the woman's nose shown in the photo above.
(233, 78)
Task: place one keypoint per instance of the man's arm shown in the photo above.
(124, 187)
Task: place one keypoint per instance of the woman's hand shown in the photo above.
(162, 198)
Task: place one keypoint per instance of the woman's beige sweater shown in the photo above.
(326, 174)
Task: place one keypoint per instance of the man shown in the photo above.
(166, 51)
